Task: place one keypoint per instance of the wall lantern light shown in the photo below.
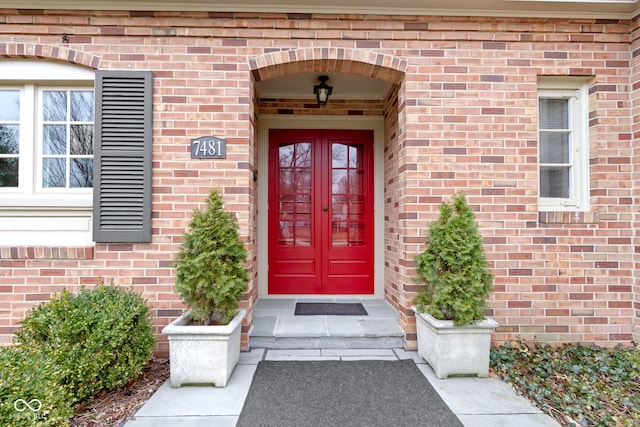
(323, 90)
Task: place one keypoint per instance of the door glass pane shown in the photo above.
(339, 207)
(340, 233)
(554, 147)
(554, 182)
(295, 192)
(303, 181)
(303, 207)
(54, 173)
(554, 113)
(285, 155)
(347, 195)
(356, 208)
(356, 181)
(356, 154)
(339, 181)
(285, 235)
(303, 233)
(286, 207)
(286, 181)
(339, 155)
(356, 234)
(303, 155)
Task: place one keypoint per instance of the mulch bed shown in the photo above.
(115, 407)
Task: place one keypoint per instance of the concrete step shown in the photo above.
(325, 332)
(308, 343)
(275, 326)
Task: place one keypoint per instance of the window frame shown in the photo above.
(31, 78)
(20, 89)
(576, 92)
(68, 156)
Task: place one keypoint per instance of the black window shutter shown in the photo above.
(122, 156)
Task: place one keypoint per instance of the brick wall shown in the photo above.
(462, 116)
(635, 164)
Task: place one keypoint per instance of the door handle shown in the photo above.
(325, 208)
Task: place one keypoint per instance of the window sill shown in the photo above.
(47, 203)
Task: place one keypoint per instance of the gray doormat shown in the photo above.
(363, 393)
(330, 309)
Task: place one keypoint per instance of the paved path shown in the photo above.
(478, 402)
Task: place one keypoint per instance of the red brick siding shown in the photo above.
(464, 117)
(310, 107)
(633, 136)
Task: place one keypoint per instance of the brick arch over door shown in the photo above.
(340, 60)
(51, 52)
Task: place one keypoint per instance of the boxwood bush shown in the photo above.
(75, 346)
(31, 377)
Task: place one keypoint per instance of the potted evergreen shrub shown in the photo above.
(454, 336)
(211, 277)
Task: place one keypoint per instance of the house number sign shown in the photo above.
(208, 147)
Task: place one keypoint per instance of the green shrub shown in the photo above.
(211, 275)
(453, 267)
(31, 377)
(96, 340)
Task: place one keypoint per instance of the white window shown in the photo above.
(563, 145)
(9, 137)
(46, 152)
(53, 153)
(66, 131)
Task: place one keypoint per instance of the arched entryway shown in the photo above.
(367, 100)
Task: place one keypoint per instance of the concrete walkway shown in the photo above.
(478, 402)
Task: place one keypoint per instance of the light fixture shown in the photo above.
(323, 90)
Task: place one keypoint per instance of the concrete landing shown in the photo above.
(478, 402)
(276, 326)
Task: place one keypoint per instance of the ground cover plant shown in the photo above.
(70, 349)
(578, 385)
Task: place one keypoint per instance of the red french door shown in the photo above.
(321, 212)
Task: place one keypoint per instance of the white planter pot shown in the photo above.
(455, 350)
(203, 355)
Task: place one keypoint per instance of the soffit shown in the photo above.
(612, 9)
